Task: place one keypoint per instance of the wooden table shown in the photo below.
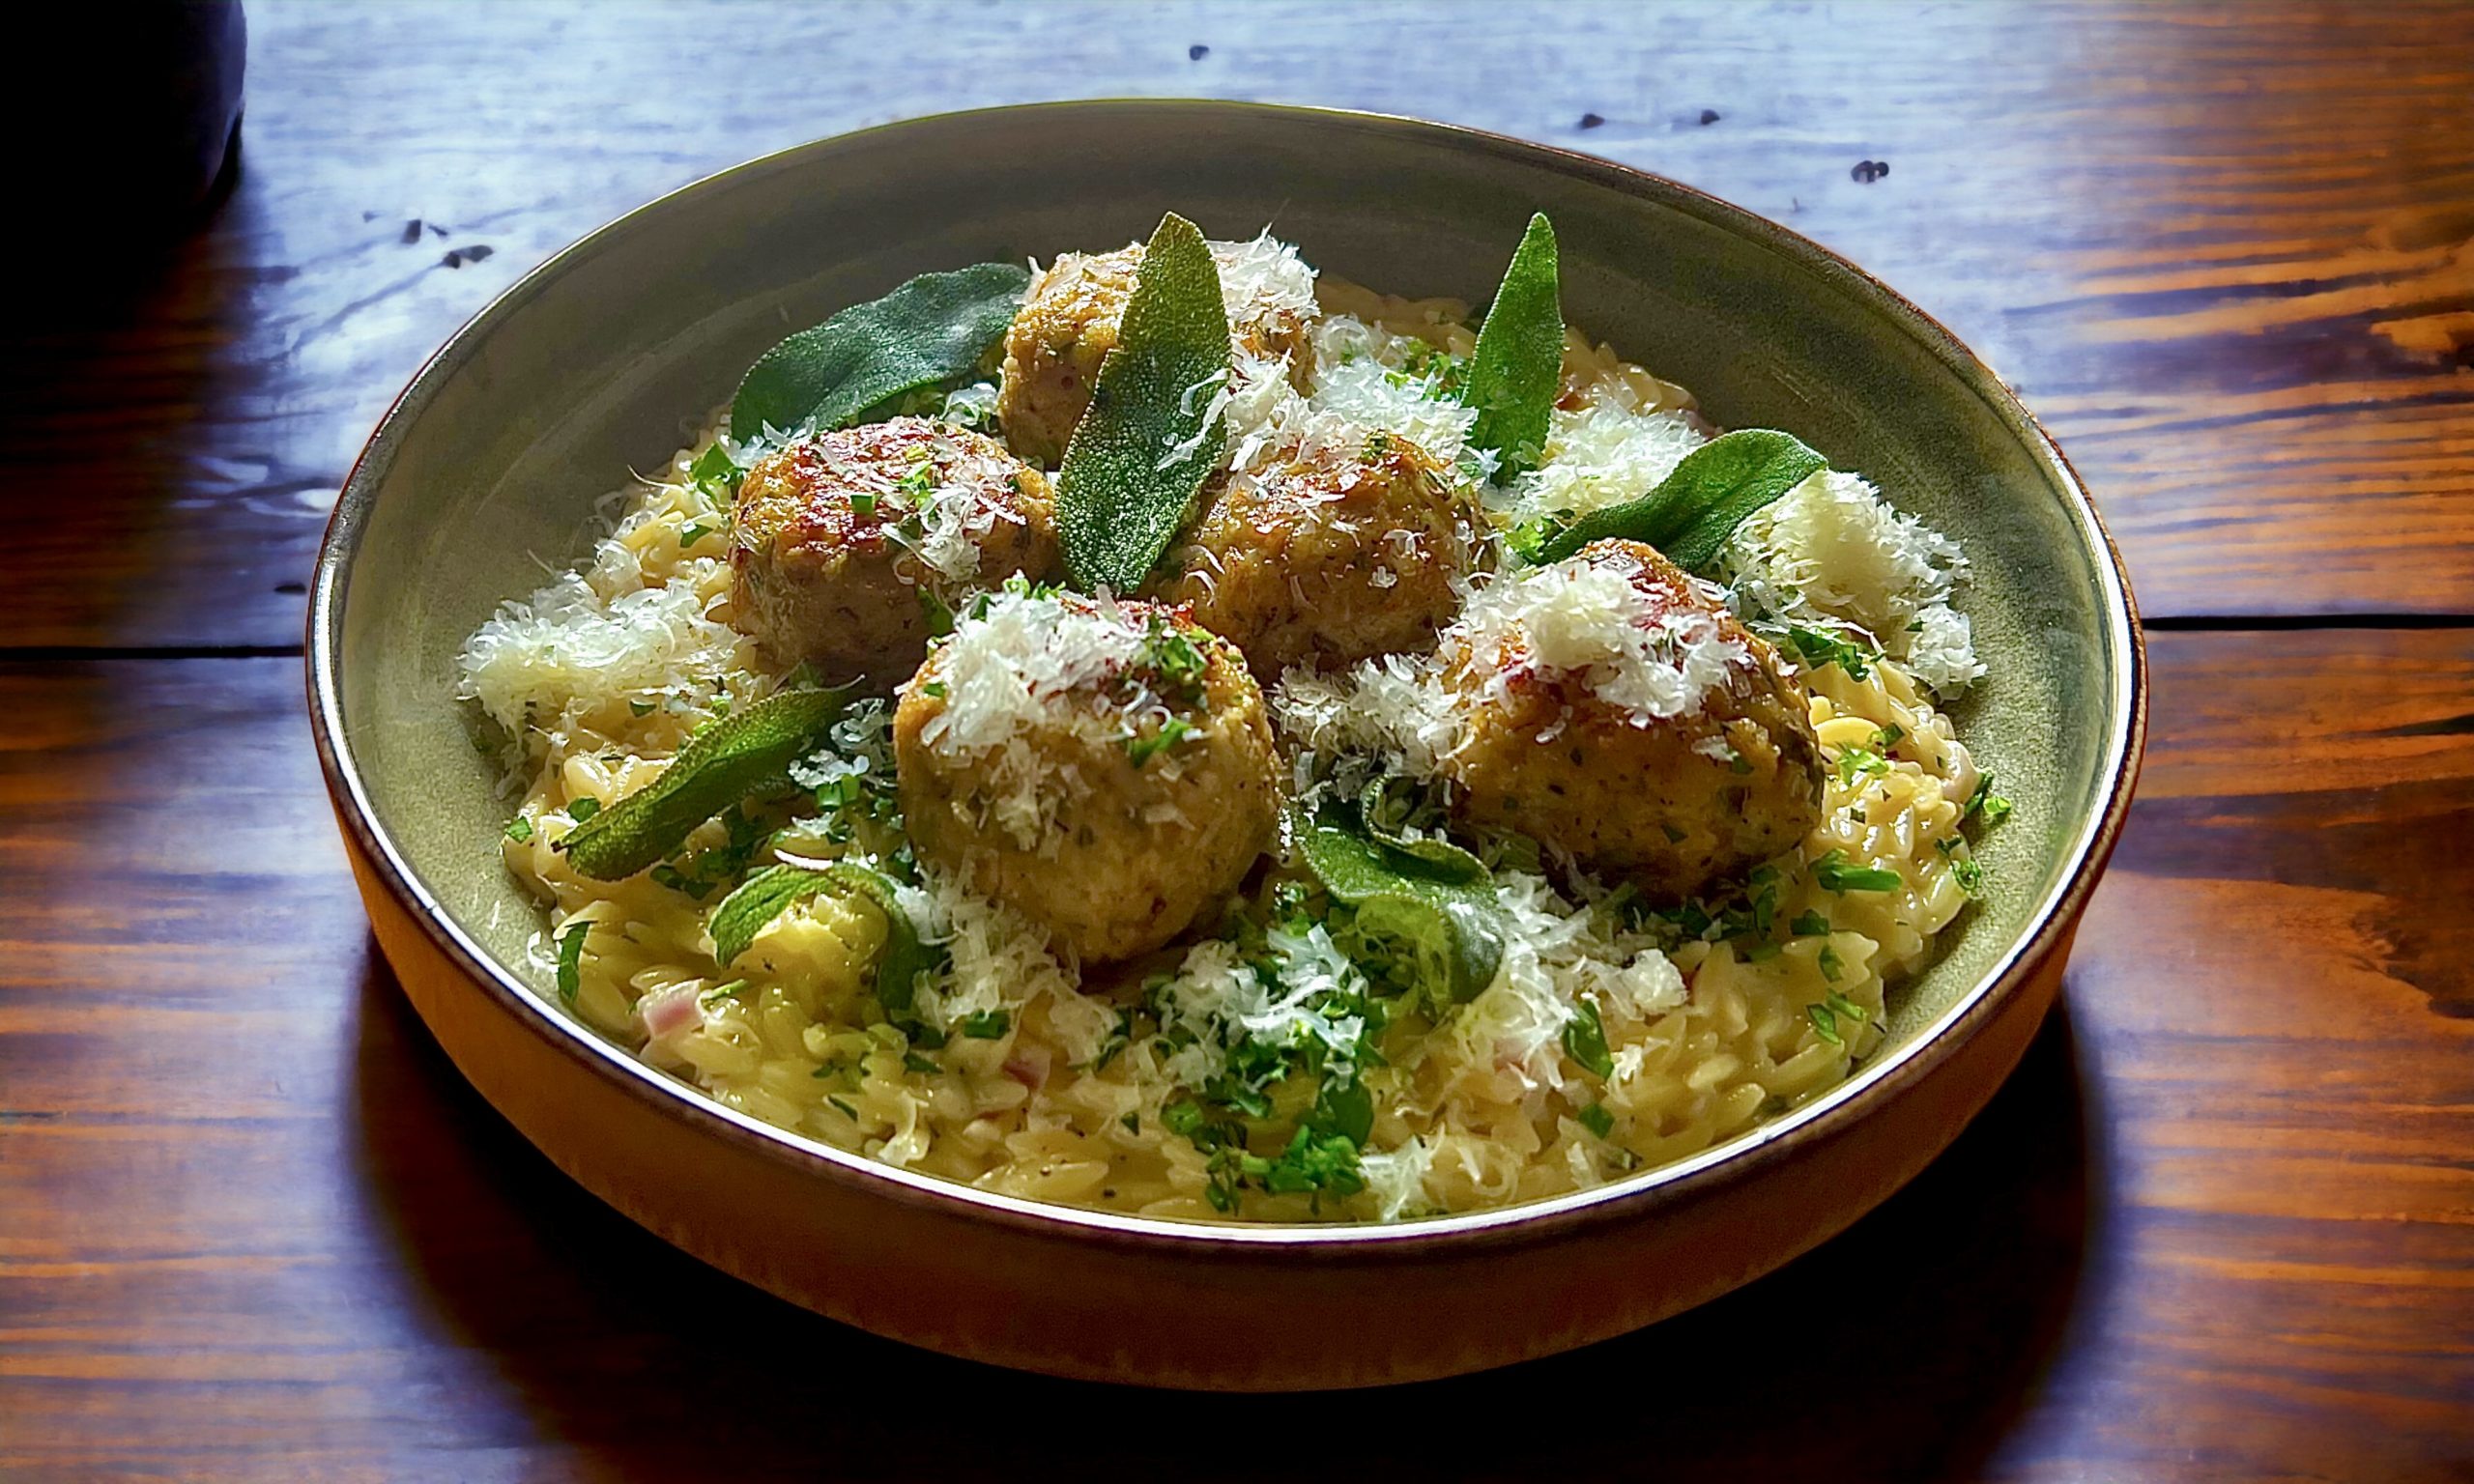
(2221, 1225)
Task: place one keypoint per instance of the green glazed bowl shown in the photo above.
(606, 357)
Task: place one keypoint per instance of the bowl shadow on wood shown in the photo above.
(1905, 1347)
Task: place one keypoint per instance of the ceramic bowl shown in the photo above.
(602, 359)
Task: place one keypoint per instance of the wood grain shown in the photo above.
(2221, 1225)
(2227, 251)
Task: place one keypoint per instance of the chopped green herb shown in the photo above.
(1809, 925)
(1993, 806)
(1832, 968)
(1137, 461)
(848, 1111)
(1432, 901)
(1969, 876)
(1815, 649)
(940, 618)
(716, 476)
(736, 988)
(1888, 737)
(1825, 1024)
(1585, 1037)
(1834, 873)
(986, 1025)
(571, 964)
(1132, 1123)
(912, 1060)
(583, 807)
(1854, 762)
(863, 504)
(520, 829)
(1693, 511)
(1172, 731)
(928, 331)
(933, 687)
(689, 536)
(1596, 1120)
(1517, 369)
(639, 707)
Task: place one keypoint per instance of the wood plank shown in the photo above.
(2228, 252)
(2221, 1225)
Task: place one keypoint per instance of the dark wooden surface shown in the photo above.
(2221, 1225)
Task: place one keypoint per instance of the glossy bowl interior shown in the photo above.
(607, 357)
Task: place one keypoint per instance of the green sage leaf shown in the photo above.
(733, 758)
(928, 331)
(1585, 1037)
(1138, 460)
(1517, 370)
(1435, 898)
(1693, 511)
(769, 893)
(572, 963)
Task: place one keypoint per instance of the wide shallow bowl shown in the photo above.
(604, 359)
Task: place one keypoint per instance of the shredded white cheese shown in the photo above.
(1581, 619)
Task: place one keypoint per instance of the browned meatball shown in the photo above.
(1608, 709)
(1106, 770)
(1327, 555)
(1068, 323)
(845, 542)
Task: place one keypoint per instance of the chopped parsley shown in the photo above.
(1816, 649)
(912, 1060)
(1826, 1015)
(1832, 968)
(1834, 873)
(691, 534)
(1172, 731)
(1970, 876)
(715, 475)
(1585, 1037)
(863, 504)
(736, 988)
(520, 829)
(1993, 806)
(1856, 762)
(571, 964)
(1596, 1120)
(1809, 925)
(987, 1024)
(582, 808)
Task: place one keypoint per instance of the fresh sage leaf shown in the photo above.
(1154, 431)
(769, 893)
(1693, 511)
(733, 758)
(931, 330)
(1517, 370)
(759, 900)
(1432, 897)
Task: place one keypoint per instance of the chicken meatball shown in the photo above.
(1608, 709)
(849, 546)
(1068, 323)
(1105, 769)
(1327, 555)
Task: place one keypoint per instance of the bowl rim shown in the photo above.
(1734, 1161)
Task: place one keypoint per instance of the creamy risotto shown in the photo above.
(1368, 857)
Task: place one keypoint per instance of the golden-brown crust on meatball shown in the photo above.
(1674, 804)
(825, 556)
(1131, 851)
(1067, 326)
(1327, 555)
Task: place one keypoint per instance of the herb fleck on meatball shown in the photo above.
(1105, 769)
(851, 546)
(1611, 710)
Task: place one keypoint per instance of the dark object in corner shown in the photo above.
(1867, 171)
(141, 172)
(1196, 53)
(1709, 116)
(1591, 121)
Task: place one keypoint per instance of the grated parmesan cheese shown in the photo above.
(1579, 618)
(1833, 549)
